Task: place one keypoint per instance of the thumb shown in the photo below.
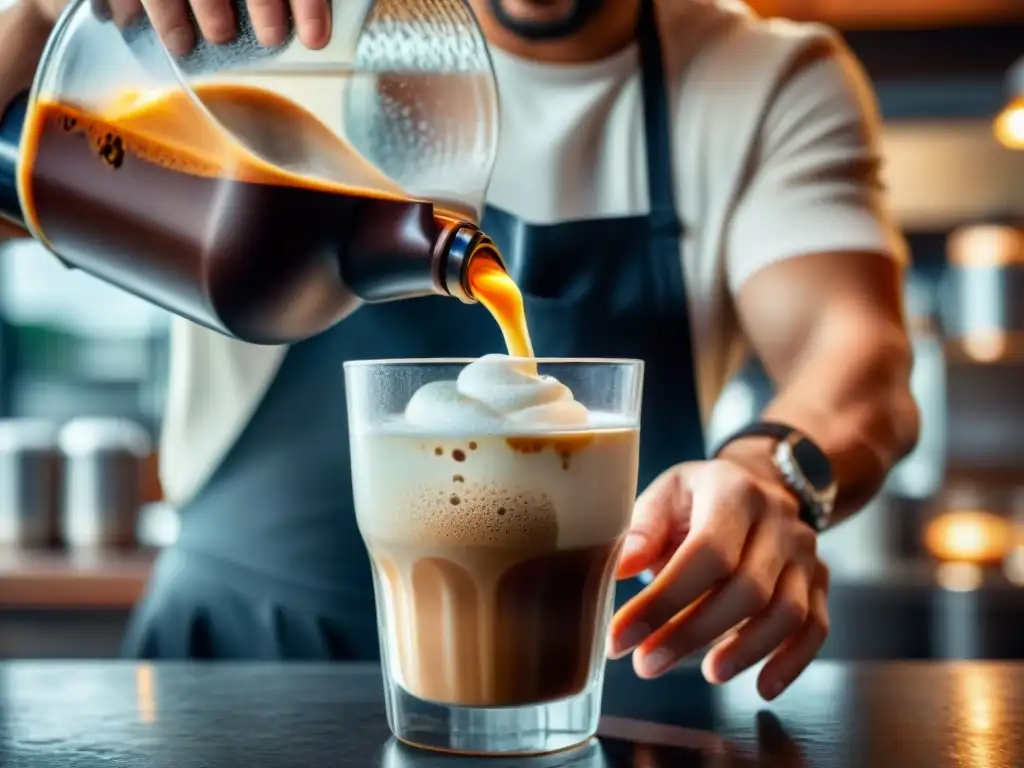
(655, 518)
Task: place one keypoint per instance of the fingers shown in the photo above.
(650, 527)
(100, 9)
(747, 593)
(745, 565)
(313, 21)
(171, 22)
(217, 21)
(269, 21)
(799, 651)
(121, 12)
(784, 616)
(720, 520)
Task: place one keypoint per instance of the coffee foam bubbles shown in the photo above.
(494, 393)
(474, 514)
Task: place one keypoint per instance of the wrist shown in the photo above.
(756, 455)
(786, 457)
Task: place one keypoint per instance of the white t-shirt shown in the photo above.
(776, 146)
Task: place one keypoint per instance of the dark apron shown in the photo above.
(270, 564)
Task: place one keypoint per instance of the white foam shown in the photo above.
(498, 394)
(449, 468)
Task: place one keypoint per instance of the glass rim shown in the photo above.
(396, 362)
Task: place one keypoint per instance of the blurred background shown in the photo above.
(933, 568)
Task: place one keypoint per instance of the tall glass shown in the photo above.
(494, 552)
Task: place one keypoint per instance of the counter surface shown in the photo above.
(111, 714)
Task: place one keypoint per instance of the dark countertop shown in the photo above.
(114, 714)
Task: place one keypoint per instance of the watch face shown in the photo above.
(814, 465)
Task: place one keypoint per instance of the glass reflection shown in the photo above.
(145, 687)
(395, 754)
(980, 719)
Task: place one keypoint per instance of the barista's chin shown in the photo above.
(544, 19)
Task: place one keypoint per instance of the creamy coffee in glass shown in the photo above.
(493, 496)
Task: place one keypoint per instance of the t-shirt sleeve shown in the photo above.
(814, 179)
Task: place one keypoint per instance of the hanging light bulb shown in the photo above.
(977, 537)
(1009, 125)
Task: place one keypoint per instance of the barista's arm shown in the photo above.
(815, 268)
(829, 329)
(816, 265)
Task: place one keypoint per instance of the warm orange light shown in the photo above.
(969, 537)
(1009, 126)
(145, 693)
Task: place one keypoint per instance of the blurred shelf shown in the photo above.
(73, 581)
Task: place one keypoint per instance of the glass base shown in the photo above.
(535, 729)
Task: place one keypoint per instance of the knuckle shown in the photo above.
(820, 625)
(793, 613)
(803, 541)
(786, 504)
(757, 593)
(823, 573)
(735, 488)
(722, 558)
(725, 474)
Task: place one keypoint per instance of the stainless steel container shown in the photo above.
(102, 481)
(984, 316)
(29, 483)
(984, 320)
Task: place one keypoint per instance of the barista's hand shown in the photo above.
(733, 563)
(271, 20)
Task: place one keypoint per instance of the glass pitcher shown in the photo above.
(261, 192)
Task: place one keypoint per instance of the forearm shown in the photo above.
(850, 394)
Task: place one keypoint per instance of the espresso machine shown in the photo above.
(974, 532)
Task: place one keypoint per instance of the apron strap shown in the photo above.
(660, 179)
(666, 226)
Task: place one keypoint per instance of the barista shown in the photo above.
(749, 216)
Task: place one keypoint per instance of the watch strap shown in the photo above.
(771, 429)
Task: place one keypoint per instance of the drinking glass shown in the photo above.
(494, 553)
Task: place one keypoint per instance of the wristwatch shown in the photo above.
(803, 468)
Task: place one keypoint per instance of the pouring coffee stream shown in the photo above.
(154, 197)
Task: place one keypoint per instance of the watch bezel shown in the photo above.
(819, 501)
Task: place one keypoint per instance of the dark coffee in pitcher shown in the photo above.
(155, 197)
